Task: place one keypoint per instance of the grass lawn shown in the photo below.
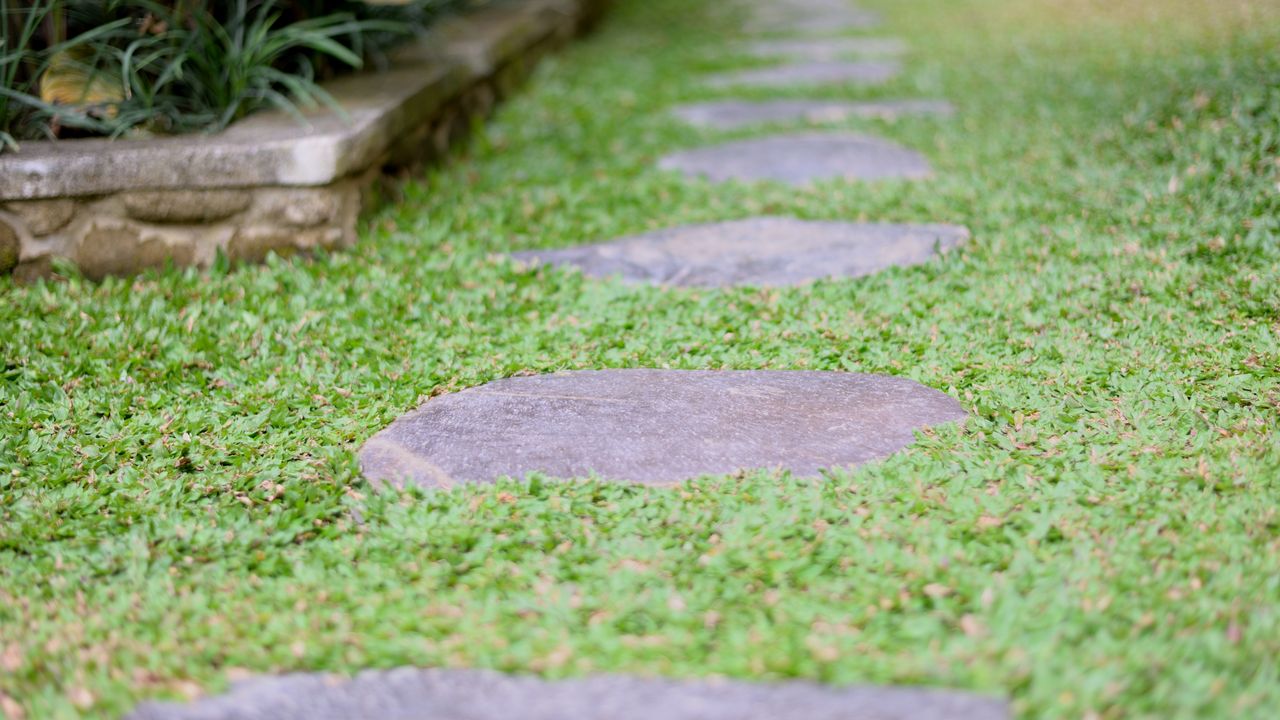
(180, 503)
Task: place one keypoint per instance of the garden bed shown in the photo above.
(268, 184)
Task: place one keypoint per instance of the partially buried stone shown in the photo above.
(43, 217)
(122, 248)
(829, 72)
(654, 426)
(732, 114)
(254, 243)
(764, 251)
(800, 158)
(185, 206)
(439, 694)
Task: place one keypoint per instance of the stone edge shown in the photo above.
(677, 161)
(386, 463)
(533, 258)
(930, 701)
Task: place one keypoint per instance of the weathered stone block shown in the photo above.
(254, 244)
(122, 248)
(43, 217)
(185, 206)
(298, 208)
(30, 271)
(9, 247)
(485, 39)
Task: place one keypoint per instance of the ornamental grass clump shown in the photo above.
(79, 67)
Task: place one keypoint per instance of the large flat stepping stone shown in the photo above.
(800, 158)
(654, 426)
(763, 251)
(825, 48)
(414, 694)
(733, 114)
(830, 72)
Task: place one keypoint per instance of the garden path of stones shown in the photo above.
(662, 427)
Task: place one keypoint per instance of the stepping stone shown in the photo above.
(826, 49)
(834, 72)
(763, 251)
(414, 694)
(654, 427)
(733, 114)
(800, 158)
(821, 16)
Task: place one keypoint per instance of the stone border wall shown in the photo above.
(268, 184)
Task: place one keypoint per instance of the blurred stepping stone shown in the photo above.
(806, 16)
(763, 251)
(732, 114)
(653, 426)
(415, 694)
(830, 72)
(799, 159)
(826, 49)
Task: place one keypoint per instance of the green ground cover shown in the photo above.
(180, 504)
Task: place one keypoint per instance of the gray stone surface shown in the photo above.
(809, 16)
(43, 217)
(826, 48)
(185, 206)
(488, 37)
(125, 248)
(732, 114)
(764, 251)
(653, 426)
(265, 149)
(414, 694)
(829, 72)
(800, 158)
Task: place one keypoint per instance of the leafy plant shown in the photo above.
(206, 72)
(181, 65)
(17, 33)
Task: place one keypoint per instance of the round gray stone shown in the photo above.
(654, 426)
(830, 72)
(732, 114)
(434, 694)
(825, 48)
(763, 251)
(800, 158)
